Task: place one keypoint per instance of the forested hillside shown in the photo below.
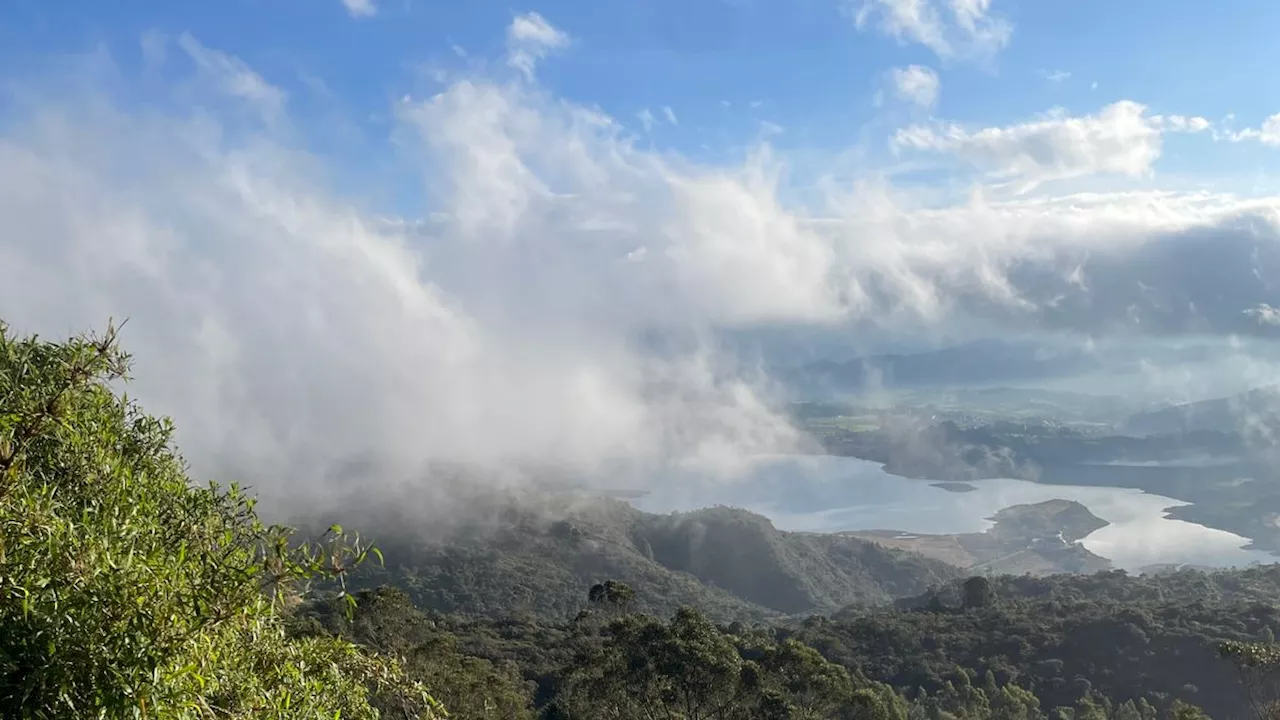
(1103, 646)
(127, 590)
(536, 560)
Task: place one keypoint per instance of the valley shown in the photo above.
(1214, 459)
(829, 590)
(661, 360)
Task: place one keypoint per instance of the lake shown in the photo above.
(831, 494)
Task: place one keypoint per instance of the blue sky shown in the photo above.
(726, 66)
(453, 230)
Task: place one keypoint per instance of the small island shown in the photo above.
(1039, 538)
(1065, 521)
(955, 487)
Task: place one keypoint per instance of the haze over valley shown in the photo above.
(875, 359)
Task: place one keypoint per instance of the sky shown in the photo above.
(818, 76)
(403, 232)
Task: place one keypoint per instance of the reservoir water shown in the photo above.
(831, 494)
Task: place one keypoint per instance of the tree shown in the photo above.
(1185, 711)
(1259, 668)
(868, 704)
(1088, 709)
(1128, 711)
(1014, 703)
(685, 669)
(128, 591)
(807, 685)
(385, 620)
(978, 592)
(613, 594)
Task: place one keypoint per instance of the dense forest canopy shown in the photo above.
(129, 590)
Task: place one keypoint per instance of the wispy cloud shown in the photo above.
(1056, 76)
(1268, 133)
(234, 77)
(530, 38)
(952, 29)
(670, 115)
(558, 300)
(360, 8)
(647, 119)
(1265, 314)
(1121, 138)
(1181, 123)
(916, 84)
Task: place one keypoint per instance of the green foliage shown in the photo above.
(1258, 665)
(1148, 639)
(527, 568)
(729, 563)
(126, 591)
(802, 683)
(978, 592)
(1064, 647)
(385, 620)
(614, 596)
(688, 668)
(1184, 711)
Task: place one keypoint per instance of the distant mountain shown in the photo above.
(981, 361)
(1254, 413)
(729, 562)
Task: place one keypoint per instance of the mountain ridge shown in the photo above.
(731, 562)
(1249, 412)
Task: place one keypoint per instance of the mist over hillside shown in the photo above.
(536, 297)
(718, 360)
(558, 293)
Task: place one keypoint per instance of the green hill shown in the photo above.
(128, 590)
(1254, 412)
(534, 557)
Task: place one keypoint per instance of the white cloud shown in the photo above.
(1056, 76)
(647, 119)
(916, 84)
(1181, 123)
(1119, 139)
(1268, 134)
(292, 333)
(531, 38)
(961, 29)
(1264, 314)
(233, 76)
(360, 8)
(155, 48)
(769, 128)
(556, 303)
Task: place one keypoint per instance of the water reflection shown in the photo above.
(828, 494)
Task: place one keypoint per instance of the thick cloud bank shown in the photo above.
(556, 302)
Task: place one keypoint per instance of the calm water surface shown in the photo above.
(829, 494)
